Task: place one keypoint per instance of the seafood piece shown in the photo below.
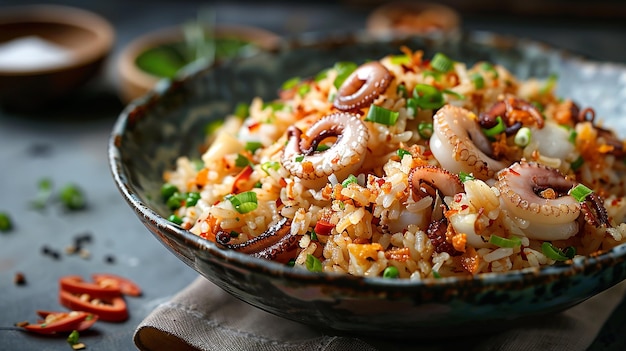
(435, 177)
(459, 144)
(344, 157)
(277, 243)
(539, 195)
(362, 87)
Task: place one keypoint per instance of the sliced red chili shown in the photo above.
(59, 322)
(323, 227)
(85, 324)
(75, 284)
(126, 286)
(110, 309)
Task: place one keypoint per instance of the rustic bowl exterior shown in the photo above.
(152, 132)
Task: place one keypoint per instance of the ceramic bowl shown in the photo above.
(47, 51)
(134, 82)
(153, 131)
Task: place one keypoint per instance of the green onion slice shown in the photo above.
(454, 93)
(175, 219)
(344, 69)
(351, 179)
(497, 129)
(167, 190)
(212, 127)
(400, 59)
(242, 161)
(391, 272)
(463, 176)
(522, 137)
(5, 222)
(192, 198)
(303, 89)
(577, 163)
(478, 80)
(242, 110)
(441, 62)
(411, 107)
(266, 166)
(550, 84)
(313, 264)
(313, 235)
(499, 241)
(252, 146)
(72, 197)
(489, 68)
(401, 90)
(425, 130)
(554, 253)
(402, 152)
(382, 115)
(580, 192)
(427, 97)
(321, 75)
(299, 158)
(243, 202)
(291, 83)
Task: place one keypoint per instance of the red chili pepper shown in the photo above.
(126, 286)
(85, 324)
(75, 284)
(110, 309)
(60, 322)
(323, 227)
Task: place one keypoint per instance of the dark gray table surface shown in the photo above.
(67, 144)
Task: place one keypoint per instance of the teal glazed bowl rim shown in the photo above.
(139, 151)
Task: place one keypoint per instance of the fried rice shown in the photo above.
(407, 167)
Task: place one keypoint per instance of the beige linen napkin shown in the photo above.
(204, 317)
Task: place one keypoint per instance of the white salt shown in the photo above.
(29, 53)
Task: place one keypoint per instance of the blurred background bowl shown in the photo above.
(47, 51)
(156, 55)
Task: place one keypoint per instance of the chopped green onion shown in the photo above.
(344, 69)
(580, 192)
(313, 235)
(44, 190)
(351, 179)
(331, 97)
(266, 166)
(489, 68)
(425, 130)
(192, 198)
(436, 275)
(391, 272)
(242, 110)
(441, 63)
(252, 146)
(291, 83)
(175, 219)
(495, 130)
(5, 222)
(454, 93)
(244, 202)
(402, 152)
(321, 75)
(577, 163)
(313, 264)
(411, 107)
(478, 80)
(167, 190)
(257, 185)
(464, 177)
(382, 115)
(572, 136)
(303, 89)
(322, 147)
(242, 161)
(291, 263)
(499, 241)
(274, 105)
(72, 339)
(550, 84)
(72, 197)
(400, 59)
(197, 164)
(522, 137)
(554, 253)
(401, 90)
(299, 158)
(427, 97)
(435, 75)
(212, 127)
(234, 234)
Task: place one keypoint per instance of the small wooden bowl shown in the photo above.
(85, 37)
(133, 82)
